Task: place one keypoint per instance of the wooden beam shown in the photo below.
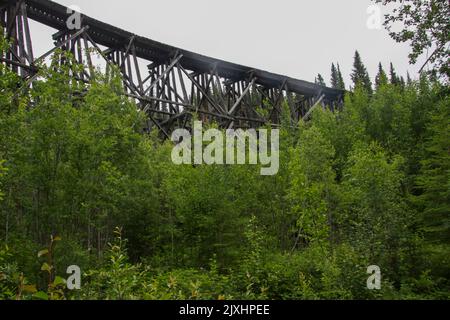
(45, 55)
(308, 114)
(164, 74)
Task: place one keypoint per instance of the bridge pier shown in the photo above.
(14, 19)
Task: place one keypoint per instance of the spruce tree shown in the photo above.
(435, 176)
(402, 82)
(334, 76)
(360, 76)
(381, 78)
(408, 79)
(340, 83)
(320, 81)
(394, 79)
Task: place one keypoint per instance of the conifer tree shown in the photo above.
(334, 76)
(320, 81)
(402, 82)
(408, 79)
(435, 176)
(340, 83)
(394, 79)
(360, 76)
(381, 78)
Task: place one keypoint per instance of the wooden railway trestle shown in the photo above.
(177, 82)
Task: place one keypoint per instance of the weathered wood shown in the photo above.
(88, 57)
(45, 55)
(196, 84)
(138, 71)
(233, 109)
(220, 90)
(183, 86)
(27, 33)
(127, 50)
(308, 114)
(20, 42)
(18, 64)
(164, 74)
(236, 105)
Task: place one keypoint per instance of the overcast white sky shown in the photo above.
(298, 38)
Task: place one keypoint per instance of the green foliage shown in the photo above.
(337, 80)
(312, 186)
(200, 218)
(188, 284)
(362, 186)
(77, 158)
(56, 284)
(120, 280)
(340, 78)
(393, 77)
(2, 172)
(9, 275)
(15, 285)
(117, 279)
(375, 218)
(360, 76)
(320, 81)
(434, 177)
(381, 78)
(424, 24)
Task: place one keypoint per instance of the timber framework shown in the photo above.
(175, 84)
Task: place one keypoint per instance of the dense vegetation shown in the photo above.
(82, 184)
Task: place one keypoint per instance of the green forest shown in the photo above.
(82, 184)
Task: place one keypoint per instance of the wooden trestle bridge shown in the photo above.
(175, 84)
